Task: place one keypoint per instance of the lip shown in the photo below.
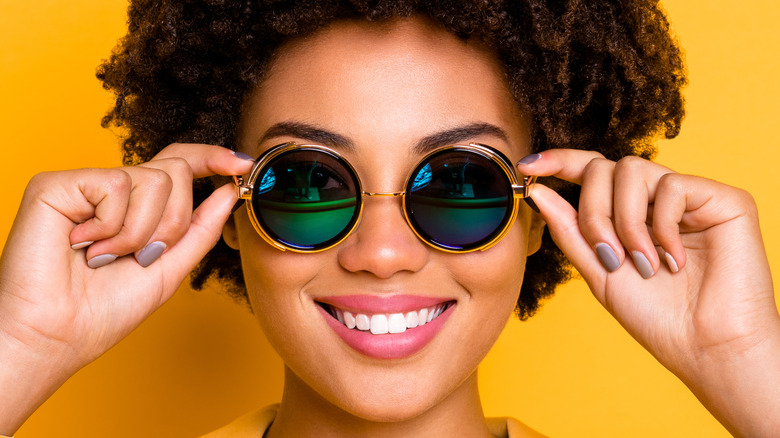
(391, 345)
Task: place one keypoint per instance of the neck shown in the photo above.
(304, 413)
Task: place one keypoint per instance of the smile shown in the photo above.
(383, 323)
(386, 327)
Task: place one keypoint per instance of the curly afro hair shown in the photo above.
(604, 75)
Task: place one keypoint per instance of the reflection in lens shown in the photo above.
(466, 202)
(307, 198)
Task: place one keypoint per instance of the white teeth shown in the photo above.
(396, 323)
(362, 322)
(380, 324)
(423, 317)
(349, 320)
(411, 319)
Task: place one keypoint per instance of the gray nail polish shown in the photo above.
(528, 159)
(152, 252)
(243, 156)
(607, 257)
(642, 264)
(101, 260)
(82, 244)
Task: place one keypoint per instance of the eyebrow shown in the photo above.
(309, 133)
(458, 134)
(428, 143)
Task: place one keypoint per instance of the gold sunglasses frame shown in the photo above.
(244, 192)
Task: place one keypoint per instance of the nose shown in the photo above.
(383, 243)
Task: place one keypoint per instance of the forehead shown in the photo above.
(395, 43)
(393, 81)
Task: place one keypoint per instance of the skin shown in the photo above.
(418, 67)
(713, 322)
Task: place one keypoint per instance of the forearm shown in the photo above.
(27, 379)
(742, 388)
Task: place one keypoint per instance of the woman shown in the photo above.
(400, 87)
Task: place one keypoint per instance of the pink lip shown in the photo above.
(387, 346)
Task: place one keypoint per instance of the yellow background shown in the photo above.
(200, 361)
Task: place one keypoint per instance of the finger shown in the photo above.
(635, 187)
(148, 197)
(83, 204)
(571, 165)
(563, 225)
(595, 212)
(203, 233)
(96, 200)
(207, 160)
(175, 218)
(688, 204)
(667, 213)
(566, 164)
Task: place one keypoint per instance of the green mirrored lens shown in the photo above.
(306, 198)
(459, 199)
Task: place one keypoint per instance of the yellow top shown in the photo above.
(252, 424)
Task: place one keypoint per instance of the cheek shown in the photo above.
(273, 278)
(493, 279)
(497, 273)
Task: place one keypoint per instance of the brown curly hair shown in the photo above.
(604, 75)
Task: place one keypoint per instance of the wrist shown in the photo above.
(27, 377)
(738, 383)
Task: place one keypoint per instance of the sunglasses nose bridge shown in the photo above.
(400, 195)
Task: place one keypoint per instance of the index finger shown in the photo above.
(566, 164)
(207, 160)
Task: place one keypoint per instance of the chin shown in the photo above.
(374, 405)
(395, 392)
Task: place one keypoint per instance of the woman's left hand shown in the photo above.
(679, 261)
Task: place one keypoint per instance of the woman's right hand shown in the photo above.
(60, 307)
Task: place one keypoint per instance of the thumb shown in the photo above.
(563, 224)
(204, 232)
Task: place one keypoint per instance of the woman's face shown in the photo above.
(379, 94)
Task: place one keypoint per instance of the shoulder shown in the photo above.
(253, 424)
(504, 427)
(256, 423)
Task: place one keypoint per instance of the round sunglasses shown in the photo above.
(308, 198)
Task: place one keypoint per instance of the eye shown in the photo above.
(324, 178)
(311, 180)
(458, 179)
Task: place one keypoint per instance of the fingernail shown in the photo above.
(607, 257)
(671, 262)
(528, 159)
(101, 260)
(152, 252)
(642, 264)
(82, 244)
(243, 156)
